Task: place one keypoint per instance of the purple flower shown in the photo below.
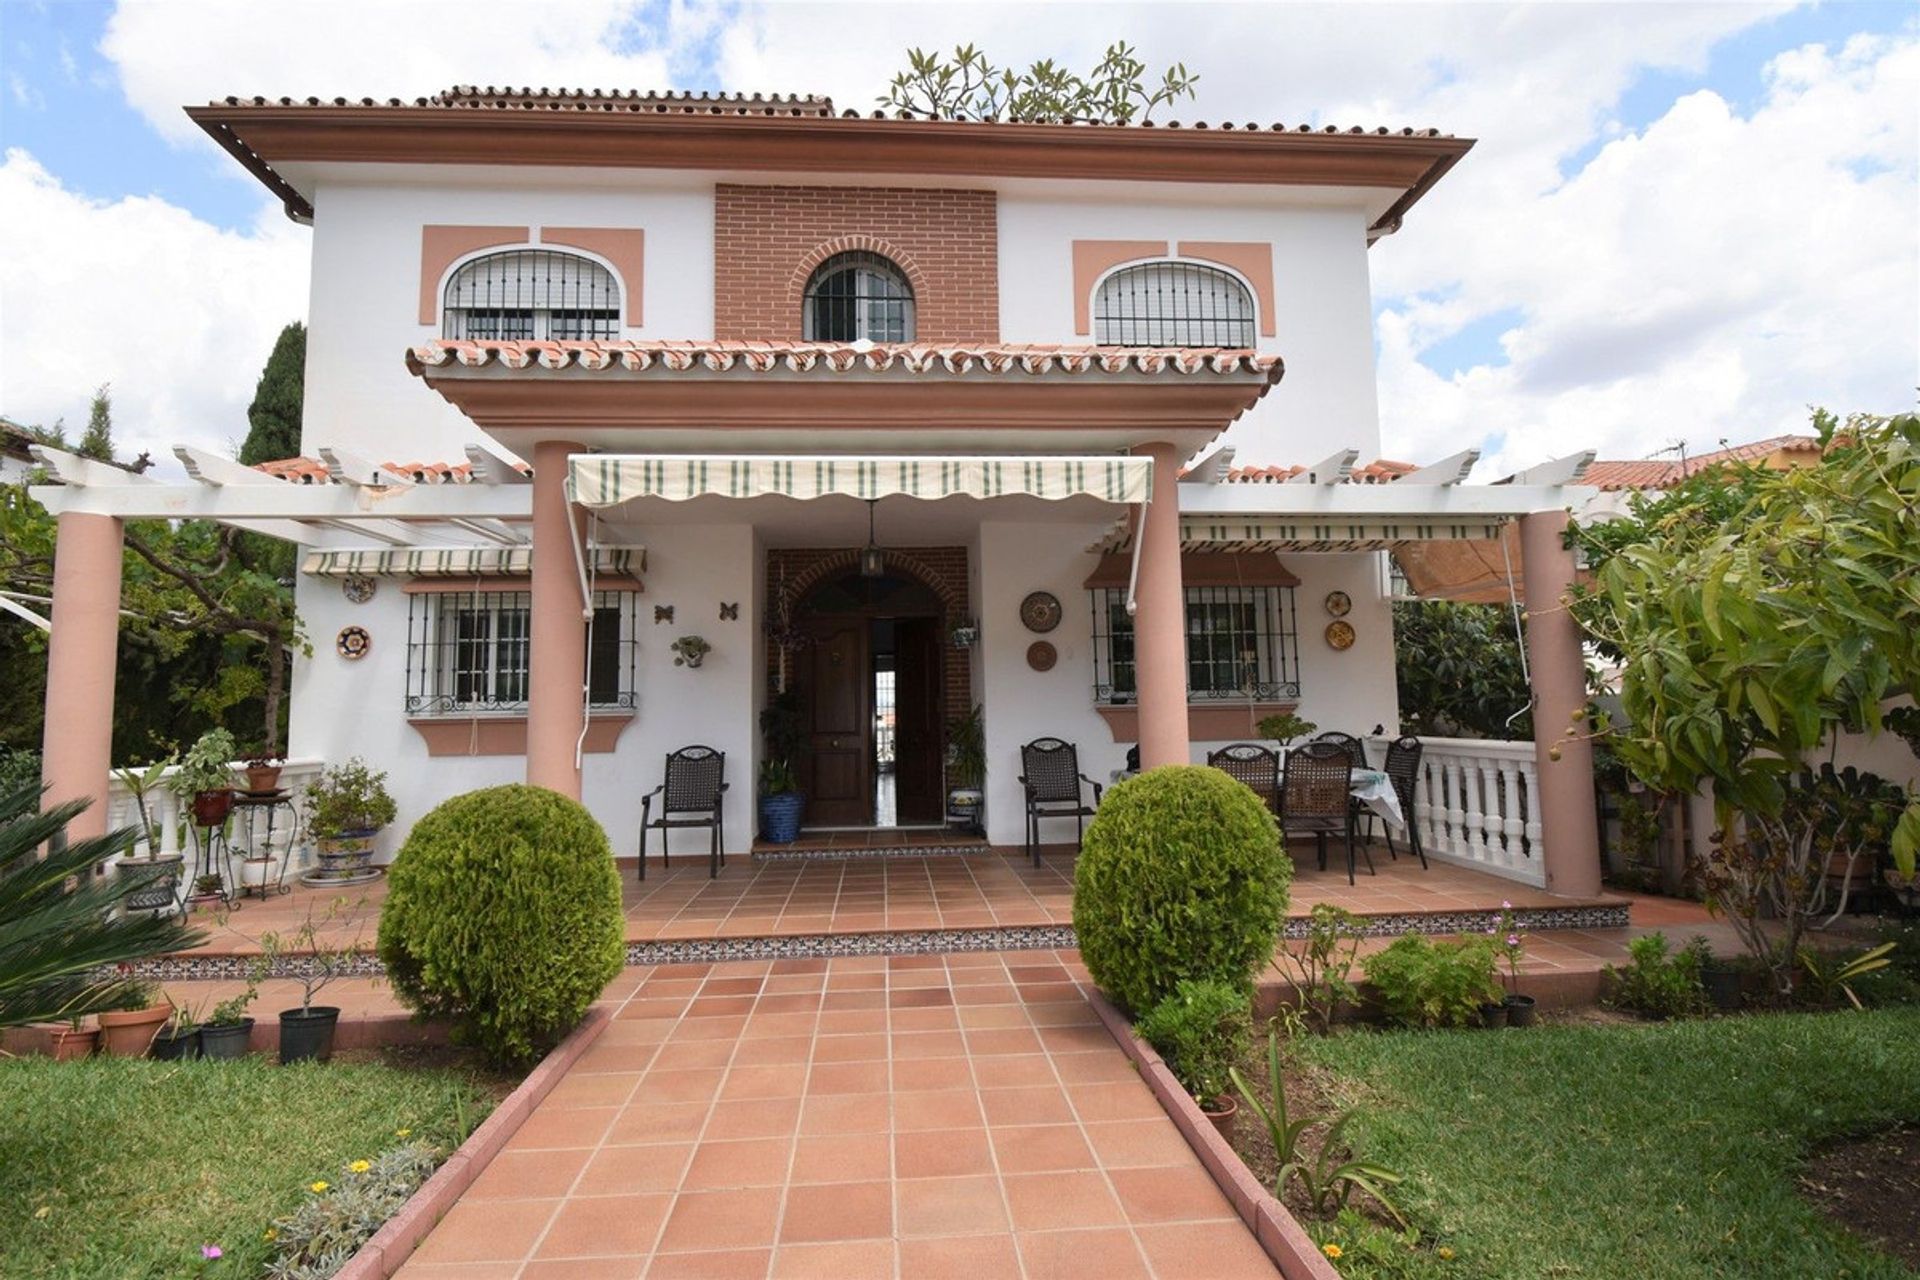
(1491, 930)
(1513, 939)
(1505, 905)
(210, 1251)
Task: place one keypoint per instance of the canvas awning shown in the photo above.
(463, 562)
(607, 480)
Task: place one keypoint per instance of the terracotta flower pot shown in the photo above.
(1221, 1111)
(263, 777)
(128, 1033)
(66, 1044)
(210, 808)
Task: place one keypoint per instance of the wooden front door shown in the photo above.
(836, 765)
(919, 740)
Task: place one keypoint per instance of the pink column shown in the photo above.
(1570, 825)
(1159, 624)
(557, 636)
(76, 758)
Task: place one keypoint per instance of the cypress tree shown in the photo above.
(273, 419)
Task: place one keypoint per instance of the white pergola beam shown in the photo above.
(1330, 470)
(494, 531)
(193, 501)
(1398, 500)
(490, 468)
(216, 469)
(72, 469)
(21, 611)
(1449, 470)
(1212, 467)
(347, 467)
(1568, 470)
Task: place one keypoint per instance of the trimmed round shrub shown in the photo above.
(1181, 877)
(503, 915)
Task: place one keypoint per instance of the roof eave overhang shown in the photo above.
(261, 136)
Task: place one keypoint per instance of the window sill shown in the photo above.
(1206, 721)
(494, 734)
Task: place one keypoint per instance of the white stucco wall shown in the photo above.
(344, 708)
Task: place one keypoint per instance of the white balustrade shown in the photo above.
(168, 813)
(1477, 804)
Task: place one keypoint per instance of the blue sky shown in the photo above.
(1670, 238)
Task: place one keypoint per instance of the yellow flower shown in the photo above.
(360, 1166)
(318, 1187)
(403, 1133)
(270, 1234)
(1331, 1249)
(1446, 1254)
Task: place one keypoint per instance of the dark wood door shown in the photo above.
(919, 739)
(836, 764)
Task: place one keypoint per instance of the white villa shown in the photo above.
(1075, 424)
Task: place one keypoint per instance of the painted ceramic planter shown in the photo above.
(780, 817)
(344, 857)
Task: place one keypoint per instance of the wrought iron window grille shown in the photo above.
(1172, 304)
(1242, 644)
(468, 652)
(858, 295)
(531, 294)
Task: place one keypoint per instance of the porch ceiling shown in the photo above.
(793, 396)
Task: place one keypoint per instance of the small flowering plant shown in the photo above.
(1509, 943)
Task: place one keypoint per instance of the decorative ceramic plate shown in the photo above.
(352, 642)
(1040, 611)
(358, 587)
(1340, 635)
(1338, 603)
(1041, 656)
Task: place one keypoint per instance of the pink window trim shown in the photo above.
(442, 246)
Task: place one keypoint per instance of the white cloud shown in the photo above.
(176, 314)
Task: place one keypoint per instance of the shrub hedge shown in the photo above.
(1201, 1030)
(1181, 877)
(503, 915)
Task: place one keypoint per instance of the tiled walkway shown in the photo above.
(914, 1117)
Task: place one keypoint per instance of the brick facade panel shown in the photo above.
(768, 240)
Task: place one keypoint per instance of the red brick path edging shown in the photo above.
(395, 1242)
(1285, 1241)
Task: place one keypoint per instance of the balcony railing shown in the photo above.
(168, 814)
(1478, 805)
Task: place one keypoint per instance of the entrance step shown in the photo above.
(843, 846)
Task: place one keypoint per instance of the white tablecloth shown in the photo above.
(1372, 788)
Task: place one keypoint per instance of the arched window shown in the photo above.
(531, 293)
(1172, 304)
(858, 295)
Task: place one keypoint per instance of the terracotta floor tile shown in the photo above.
(739, 1219)
(487, 1231)
(1202, 1251)
(870, 1047)
(928, 1044)
(599, 1090)
(780, 1080)
(590, 1225)
(752, 1162)
(1002, 1040)
(773, 1051)
(838, 1211)
(694, 1055)
(847, 1077)
(1120, 1101)
(942, 1153)
(755, 1118)
(845, 1113)
(920, 1075)
(415, 1270)
(630, 1267)
(1072, 1255)
(937, 1109)
(529, 1175)
(949, 1207)
(1182, 1193)
(678, 1086)
(1007, 1107)
(982, 1257)
(724, 1264)
(1041, 1149)
(1061, 1201)
(628, 1170)
(565, 1127)
(839, 1260)
(846, 1157)
(643, 1122)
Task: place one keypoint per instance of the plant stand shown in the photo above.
(250, 807)
(159, 879)
(213, 856)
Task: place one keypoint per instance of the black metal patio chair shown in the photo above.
(1256, 766)
(1316, 794)
(1355, 749)
(695, 793)
(1403, 772)
(1050, 775)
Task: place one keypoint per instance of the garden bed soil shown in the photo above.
(1871, 1186)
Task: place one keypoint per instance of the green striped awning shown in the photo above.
(607, 480)
(462, 562)
(1304, 533)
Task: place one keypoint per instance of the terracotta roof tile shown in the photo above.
(802, 357)
(1379, 471)
(1664, 473)
(313, 471)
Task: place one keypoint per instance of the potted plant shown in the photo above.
(207, 889)
(1201, 1030)
(205, 777)
(781, 803)
(227, 1029)
(72, 1041)
(307, 1032)
(966, 768)
(179, 1036)
(1284, 728)
(1510, 944)
(141, 783)
(262, 767)
(690, 651)
(346, 805)
(964, 634)
(128, 1032)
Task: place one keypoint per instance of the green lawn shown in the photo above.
(1648, 1152)
(126, 1168)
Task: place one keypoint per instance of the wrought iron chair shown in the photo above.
(1050, 775)
(1403, 772)
(1355, 749)
(1257, 766)
(695, 793)
(1316, 794)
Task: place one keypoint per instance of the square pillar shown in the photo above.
(1563, 763)
(557, 631)
(76, 756)
(1160, 618)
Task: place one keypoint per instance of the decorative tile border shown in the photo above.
(222, 967)
(859, 854)
(1477, 920)
(1039, 937)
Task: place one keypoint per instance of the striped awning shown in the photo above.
(1303, 533)
(607, 480)
(463, 562)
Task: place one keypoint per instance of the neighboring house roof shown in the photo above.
(1663, 473)
(1023, 359)
(637, 129)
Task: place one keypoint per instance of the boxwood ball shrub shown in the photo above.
(1181, 877)
(503, 915)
